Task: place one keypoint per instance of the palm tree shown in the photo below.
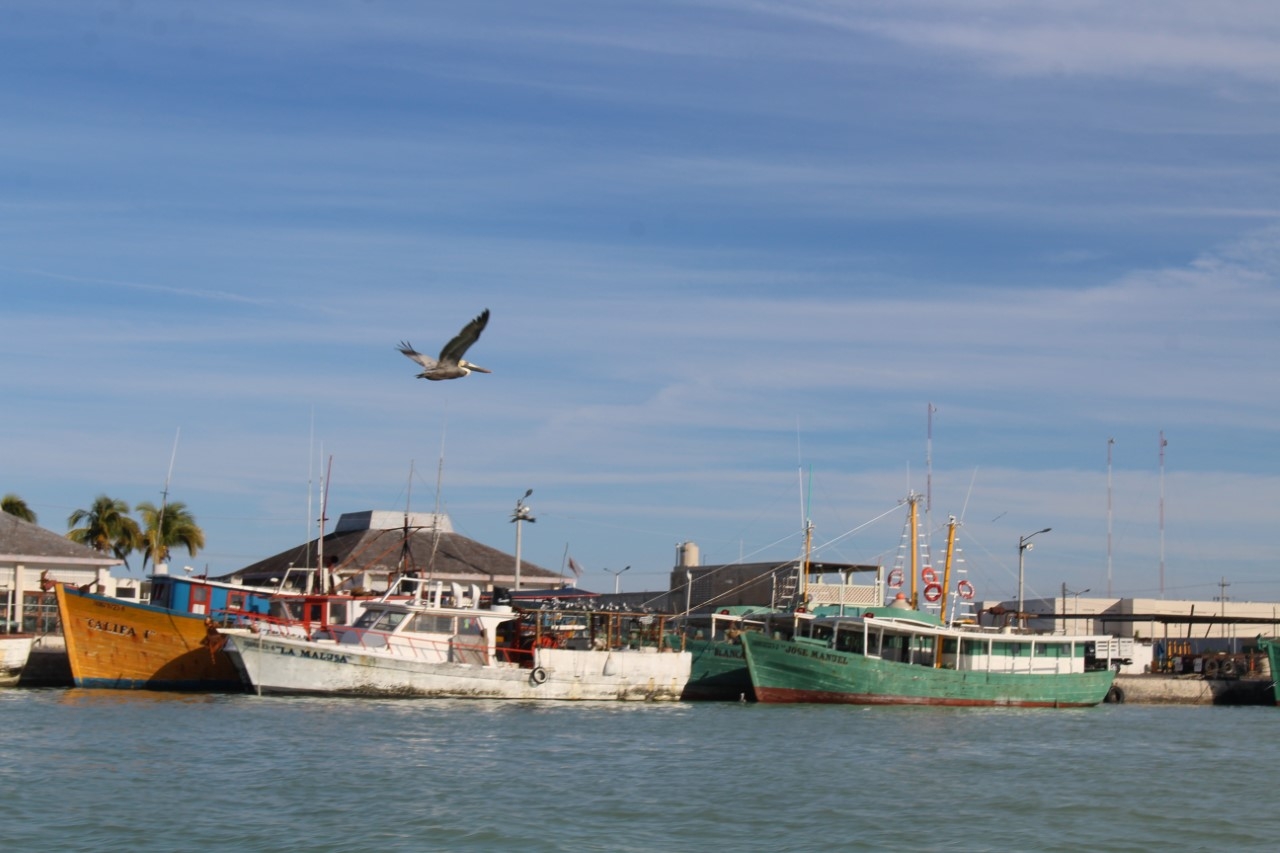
(15, 505)
(106, 527)
(166, 526)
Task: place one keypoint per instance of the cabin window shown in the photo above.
(1051, 650)
(975, 647)
(894, 648)
(380, 620)
(428, 623)
(338, 612)
(850, 641)
(235, 600)
(469, 625)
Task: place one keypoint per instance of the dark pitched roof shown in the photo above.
(442, 555)
(22, 540)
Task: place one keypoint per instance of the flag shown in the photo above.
(575, 568)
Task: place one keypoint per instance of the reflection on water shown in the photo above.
(78, 696)
(142, 771)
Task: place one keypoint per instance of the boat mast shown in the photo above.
(1163, 444)
(325, 581)
(946, 569)
(913, 501)
(1110, 443)
(157, 549)
(928, 483)
(808, 546)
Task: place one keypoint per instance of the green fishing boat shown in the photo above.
(905, 654)
(1271, 645)
(899, 656)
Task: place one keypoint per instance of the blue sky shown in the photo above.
(726, 245)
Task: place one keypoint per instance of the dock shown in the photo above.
(1192, 689)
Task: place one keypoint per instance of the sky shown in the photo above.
(747, 263)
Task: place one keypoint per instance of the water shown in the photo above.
(136, 771)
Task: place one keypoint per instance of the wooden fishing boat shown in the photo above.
(171, 641)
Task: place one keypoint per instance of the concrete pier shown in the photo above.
(1191, 690)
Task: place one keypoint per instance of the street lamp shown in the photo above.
(1076, 615)
(522, 513)
(617, 578)
(1024, 545)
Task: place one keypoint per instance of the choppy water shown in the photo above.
(135, 771)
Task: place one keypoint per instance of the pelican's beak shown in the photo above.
(478, 368)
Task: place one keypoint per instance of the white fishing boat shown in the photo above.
(14, 650)
(448, 645)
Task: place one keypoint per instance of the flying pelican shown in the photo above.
(451, 364)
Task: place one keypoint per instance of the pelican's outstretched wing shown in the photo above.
(456, 348)
(425, 360)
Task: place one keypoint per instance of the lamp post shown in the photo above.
(1024, 545)
(522, 513)
(617, 578)
(1075, 616)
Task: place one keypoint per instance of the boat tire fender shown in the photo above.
(1115, 696)
(538, 675)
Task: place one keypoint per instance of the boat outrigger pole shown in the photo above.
(946, 567)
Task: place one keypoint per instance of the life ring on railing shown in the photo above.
(928, 575)
(895, 579)
(538, 675)
(932, 593)
(965, 590)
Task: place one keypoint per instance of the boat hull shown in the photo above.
(719, 672)
(134, 646)
(273, 664)
(785, 671)
(1271, 645)
(14, 651)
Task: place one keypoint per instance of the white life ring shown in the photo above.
(538, 675)
(932, 593)
(928, 575)
(965, 590)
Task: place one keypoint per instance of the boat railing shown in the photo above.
(458, 648)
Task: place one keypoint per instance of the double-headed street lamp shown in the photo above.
(522, 513)
(617, 578)
(1024, 545)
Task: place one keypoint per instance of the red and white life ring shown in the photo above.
(932, 593)
(928, 575)
(895, 579)
(965, 590)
